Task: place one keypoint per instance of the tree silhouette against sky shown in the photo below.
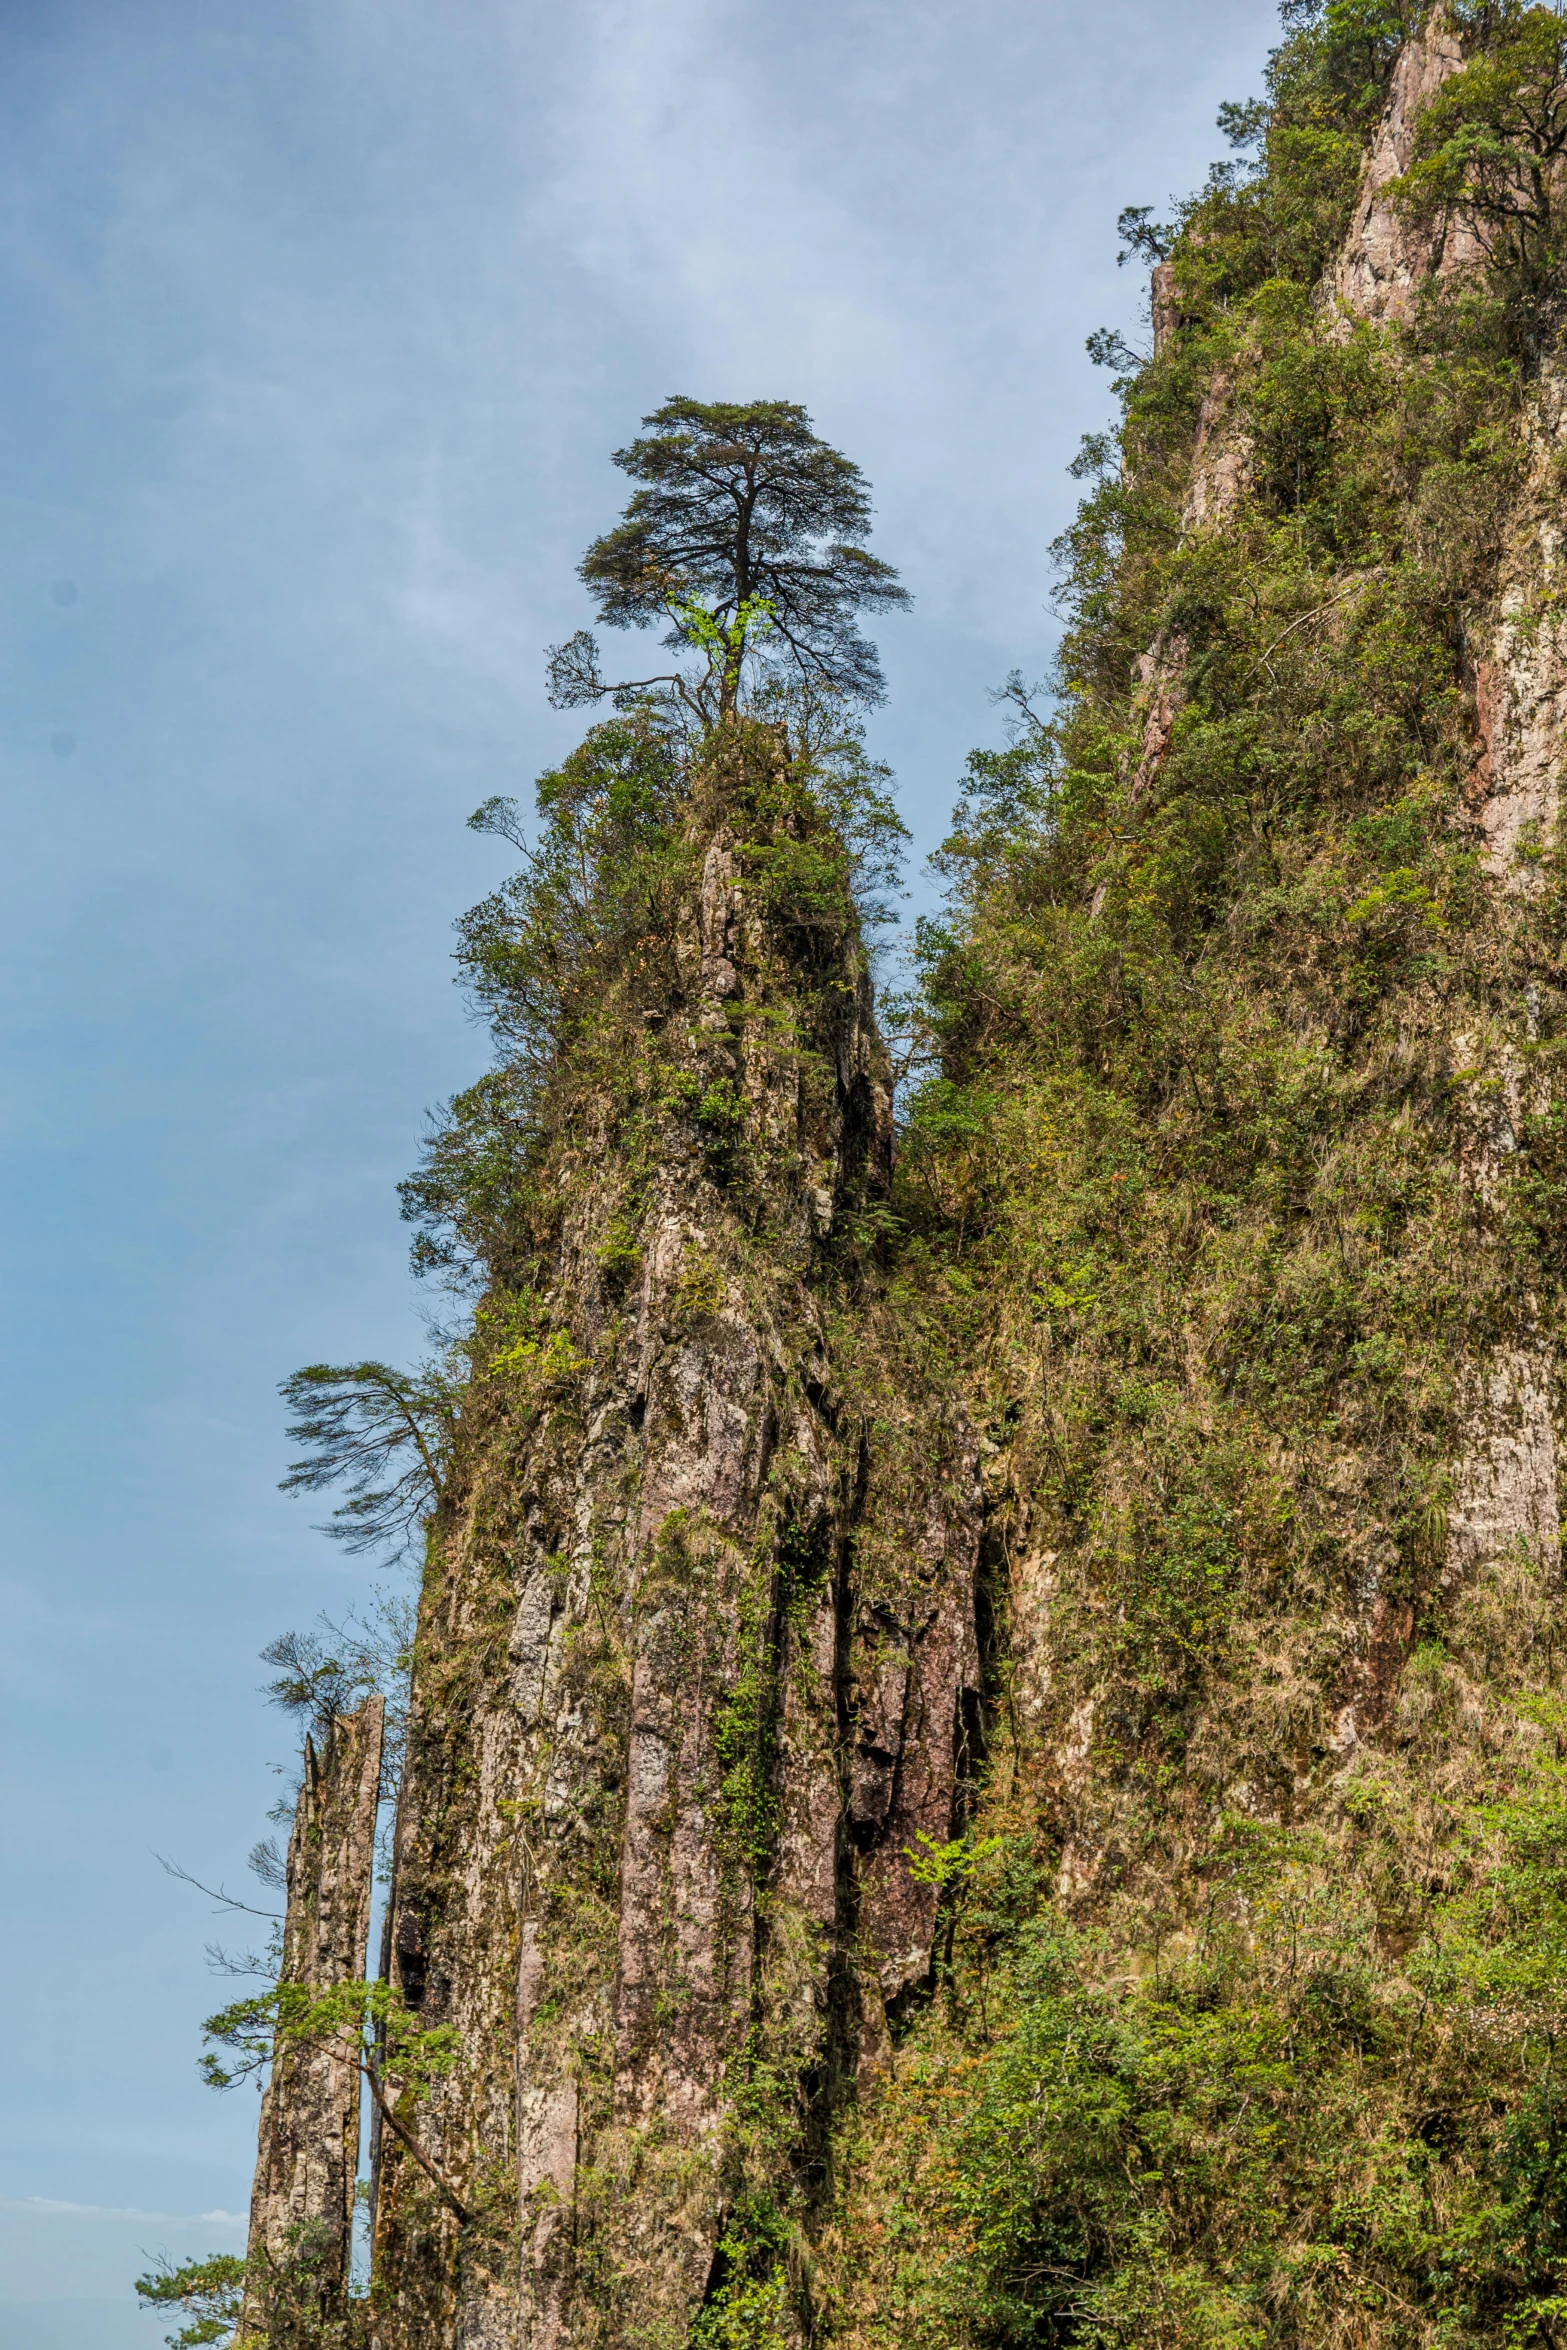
(743, 537)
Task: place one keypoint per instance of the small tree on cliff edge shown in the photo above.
(744, 531)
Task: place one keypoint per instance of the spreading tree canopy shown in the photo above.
(382, 1434)
(745, 529)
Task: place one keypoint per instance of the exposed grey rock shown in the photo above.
(302, 2204)
(694, 1657)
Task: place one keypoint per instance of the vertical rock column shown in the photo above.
(302, 2204)
(695, 1649)
(1505, 1503)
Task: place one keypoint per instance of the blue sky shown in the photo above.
(321, 322)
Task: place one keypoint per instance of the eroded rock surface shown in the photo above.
(1505, 1500)
(302, 2204)
(1384, 258)
(1520, 663)
(697, 1671)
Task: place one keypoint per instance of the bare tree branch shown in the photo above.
(215, 1892)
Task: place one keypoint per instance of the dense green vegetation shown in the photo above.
(1229, 1150)
(209, 2292)
(573, 957)
(1249, 2030)
(1488, 159)
(1271, 2133)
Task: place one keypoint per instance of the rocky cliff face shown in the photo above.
(1323, 1695)
(955, 1786)
(302, 2205)
(1504, 1506)
(1384, 261)
(1503, 1510)
(1271, 1217)
(696, 1665)
(1505, 1501)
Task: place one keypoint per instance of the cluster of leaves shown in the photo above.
(363, 2017)
(366, 2024)
(1257, 2132)
(332, 1669)
(381, 1435)
(211, 2292)
(751, 2302)
(295, 2303)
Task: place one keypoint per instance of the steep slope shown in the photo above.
(695, 1642)
(696, 1665)
(987, 1747)
(1252, 989)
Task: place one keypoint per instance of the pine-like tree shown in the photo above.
(744, 531)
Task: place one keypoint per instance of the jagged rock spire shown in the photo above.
(697, 1661)
(302, 2205)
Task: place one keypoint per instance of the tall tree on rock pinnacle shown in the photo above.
(743, 536)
